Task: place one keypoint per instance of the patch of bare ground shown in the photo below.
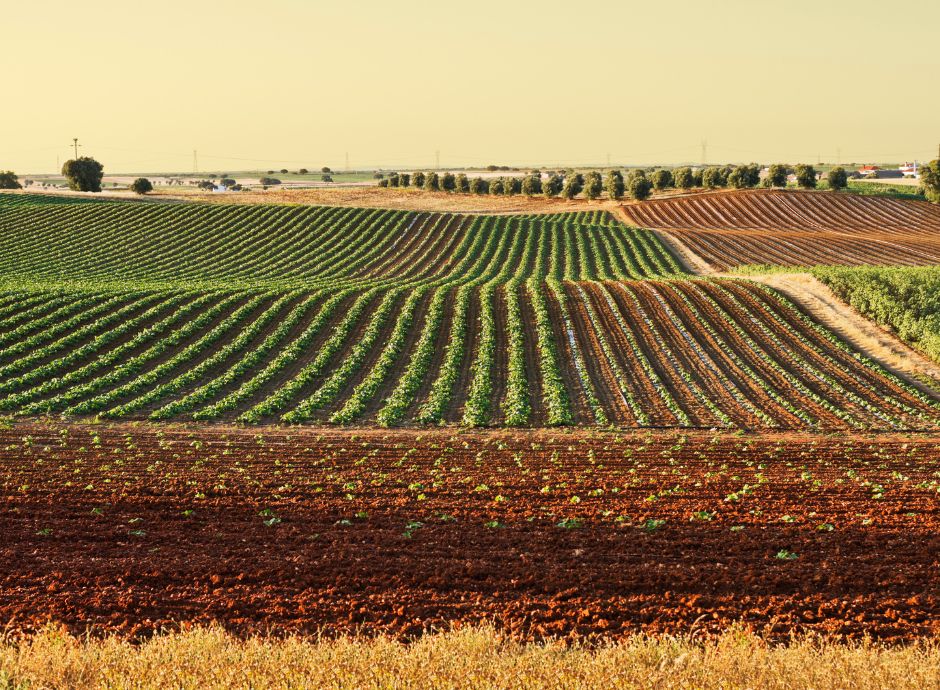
(135, 528)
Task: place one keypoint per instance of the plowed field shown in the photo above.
(788, 228)
(131, 529)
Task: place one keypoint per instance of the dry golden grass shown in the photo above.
(469, 658)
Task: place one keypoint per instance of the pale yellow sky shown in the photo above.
(301, 82)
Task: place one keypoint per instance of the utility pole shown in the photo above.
(437, 160)
(75, 144)
(704, 150)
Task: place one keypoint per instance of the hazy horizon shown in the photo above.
(302, 84)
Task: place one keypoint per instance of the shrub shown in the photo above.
(393, 180)
(83, 174)
(9, 180)
(432, 182)
(639, 185)
(268, 181)
(448, 182)
(683, 178)
(383, 183)
(462, 184)
(930, 179)
(404, 180)
(496, 186)
(806, 176)
(838, 179)
(326, 178)
(227, 182)
(532, 184)
(142, 185)
(552, 186)
(593, 185)
(663, 179)
(418, 179)
(512, 185)
(378, 175)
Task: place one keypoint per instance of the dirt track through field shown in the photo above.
(134, 528)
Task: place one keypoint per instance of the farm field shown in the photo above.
(195, 312)
(780, 228)
(577, 534)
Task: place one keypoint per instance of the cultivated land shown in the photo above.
(223, 312)
(687, 486)
(786, 228)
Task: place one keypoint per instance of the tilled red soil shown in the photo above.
(134, 528)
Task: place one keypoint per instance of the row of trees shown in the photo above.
(567, 185)
(637, 184)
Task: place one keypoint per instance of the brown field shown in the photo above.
(788, 228)
(579, 535)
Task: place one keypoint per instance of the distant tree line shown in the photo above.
(636, 184)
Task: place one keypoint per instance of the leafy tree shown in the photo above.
(267, 181)
(805, 176)
(930, 179)
(378, 175)
(326, 178)
(777, 175)
(383, 183)
(712, 177)
(532, 184)
(639, 185)
(418, 179)
(432, 182)
(404, 180)
(448, 182)
(227, 182)
(142, 185)
(479, 186)
(552, 186)
(663, 179)
(302, 171)
(511, 186)
(696, 177)
(325, 169)
(283, 171)
(683, 178)
(613, 184)
(496, 186)
(462, 184)
(83, 174)
(744, 176)
(270, 172)
(393, 180)
(838, 179)
(9, 180)
(574, 183)
(593, 185)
